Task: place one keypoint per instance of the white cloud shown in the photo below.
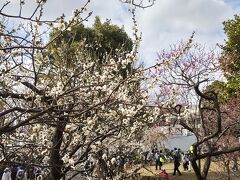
(170, 21)
(52, 8)
(111, 9)
(167, 22)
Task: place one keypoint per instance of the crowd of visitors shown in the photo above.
(19, 172)
(176, 156)
(108, 164)
(111, 164)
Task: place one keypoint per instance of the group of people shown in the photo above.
(106, 164)
(18, 172)
(176, 156)
(112, 164)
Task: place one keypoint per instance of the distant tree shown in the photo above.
(230, 60)
(220, 89)
(231, 49)
(102, 40)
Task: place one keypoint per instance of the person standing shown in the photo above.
(235, 164)
(146, 156)
(157, 160)
(20, 173)
(190, 155)
(14, 170)
(162, 159)
(185, 161)
(176, 161)
(7, 174)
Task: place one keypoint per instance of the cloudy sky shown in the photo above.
(165, 23)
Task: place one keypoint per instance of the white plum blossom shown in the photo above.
(113, 160)
(71, 162)
(65, 158)
(57, 90)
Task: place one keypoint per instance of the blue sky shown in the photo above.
(165, 23)
(233, 3)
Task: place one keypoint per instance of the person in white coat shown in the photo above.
(7, 174)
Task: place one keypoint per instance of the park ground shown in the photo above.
(216, 172)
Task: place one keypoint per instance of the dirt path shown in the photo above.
(216, 173)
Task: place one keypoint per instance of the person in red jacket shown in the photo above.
(164, 175)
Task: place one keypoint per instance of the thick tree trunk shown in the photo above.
(201, 175)
(206, 167)
(55, 159)
(196, 169)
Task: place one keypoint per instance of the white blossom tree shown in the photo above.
(54, 115)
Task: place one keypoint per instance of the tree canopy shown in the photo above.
(231, 49)
(101, 40)
(230, 61)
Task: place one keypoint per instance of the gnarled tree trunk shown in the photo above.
(55, 159)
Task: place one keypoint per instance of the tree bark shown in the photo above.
(206, 167)
(55, 159)
(196, 169)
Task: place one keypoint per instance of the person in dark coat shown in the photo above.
(14, 170)
(157, 160)
(176, 161)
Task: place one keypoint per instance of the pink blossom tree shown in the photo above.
(187, 70)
